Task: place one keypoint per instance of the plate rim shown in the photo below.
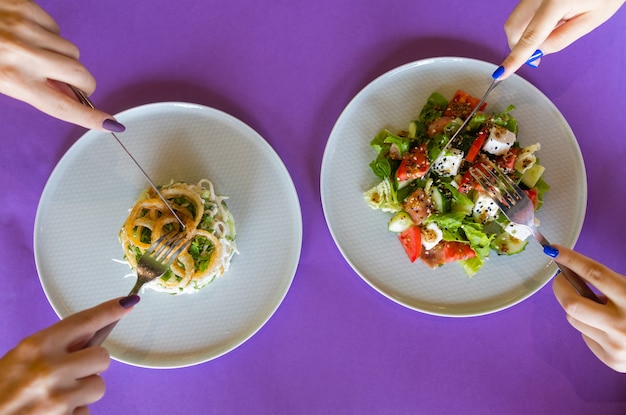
(290, 188)
(340, 246)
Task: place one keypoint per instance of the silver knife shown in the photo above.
(496, 80)
(82, 97)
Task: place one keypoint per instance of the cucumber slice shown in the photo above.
(506, 244)
(532, 175)
(400, 222)
(412, 129)
(463, 204)
(440, 203)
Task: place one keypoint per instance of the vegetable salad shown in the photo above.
(438, 211)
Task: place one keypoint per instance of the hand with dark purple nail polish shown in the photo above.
(35, 55)
(72, 377)
(131, 300)
(113, 126)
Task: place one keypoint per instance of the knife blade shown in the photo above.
(82, 97)
(494, 83)
(496, 80)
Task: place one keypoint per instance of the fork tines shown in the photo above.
(168, 243)
(497, 184)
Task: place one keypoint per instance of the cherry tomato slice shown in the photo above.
(411, 240)
(462, 104)
(457, 251)
(414, 164)
(476, 146)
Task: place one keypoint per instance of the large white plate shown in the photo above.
(87, 199)
(361, 233)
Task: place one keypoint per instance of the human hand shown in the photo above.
(603, 326)
(550, 26)
(36, 64)
(51, 373)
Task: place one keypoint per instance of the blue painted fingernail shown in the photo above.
(114, 126)
(550, 251)
(131, 300)
(533, 61)
(498, 72)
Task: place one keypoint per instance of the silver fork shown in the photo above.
(519, 209)
(151, 265)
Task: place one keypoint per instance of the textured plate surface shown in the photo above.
(361, 233)
(90, 192)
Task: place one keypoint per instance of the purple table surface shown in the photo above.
(334, 346)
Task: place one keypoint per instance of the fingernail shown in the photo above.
(498, 72)
(113, 126)
(533, 61)
(550, 251)
(131, 300)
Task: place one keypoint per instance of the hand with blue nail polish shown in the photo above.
(603, 326)
(37, 64)
(550, 26)
(50, 372)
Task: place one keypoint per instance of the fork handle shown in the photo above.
(577, 282)
(101, 335)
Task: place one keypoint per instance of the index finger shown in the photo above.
(59, 105)
(57, 100)
(83, 324)
(545, 20)
(610, 283)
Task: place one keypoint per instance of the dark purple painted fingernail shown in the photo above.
(550, 251)
(131, 300)
(498, 72)
(113, 126)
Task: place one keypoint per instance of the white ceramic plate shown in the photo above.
(361, 233)
(90, 192)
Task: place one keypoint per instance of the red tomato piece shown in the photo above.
(401, 173)
(457, 251)
(533, 195)
(462, 104)
(476, 146)
(468, 183)
(445, 252)
(506, 162)
(414, 164)
(411, 240)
